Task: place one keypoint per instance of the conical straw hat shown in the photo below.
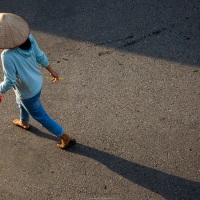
(14, 31)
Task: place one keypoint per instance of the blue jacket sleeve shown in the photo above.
(40, 55)
(9, 74)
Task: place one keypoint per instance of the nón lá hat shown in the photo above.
(14, 30)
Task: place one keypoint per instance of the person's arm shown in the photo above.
(40, 56)
(43, 60)
(53, 73)
(9, 74)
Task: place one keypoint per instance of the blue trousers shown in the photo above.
(33, 107)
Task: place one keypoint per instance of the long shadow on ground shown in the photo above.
(167, 185)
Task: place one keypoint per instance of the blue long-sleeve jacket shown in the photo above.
(21, 70)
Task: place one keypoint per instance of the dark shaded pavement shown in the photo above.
(162, 29)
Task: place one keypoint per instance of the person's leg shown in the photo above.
(36, 110)
(24, 116)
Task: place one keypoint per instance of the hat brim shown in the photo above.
(14, 30)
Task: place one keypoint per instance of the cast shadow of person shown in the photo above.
(167, 185)
(42, 134)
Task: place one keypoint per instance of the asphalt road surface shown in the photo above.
(129, 94)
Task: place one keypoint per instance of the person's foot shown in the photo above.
(23, 125)
(66, 141)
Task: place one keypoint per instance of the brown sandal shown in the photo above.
(25, 126)
(66, 141)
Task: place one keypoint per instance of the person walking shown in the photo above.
(20, 58)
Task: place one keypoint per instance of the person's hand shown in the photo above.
(1, 97)
(55, 76)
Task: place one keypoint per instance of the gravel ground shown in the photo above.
(129, 94)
